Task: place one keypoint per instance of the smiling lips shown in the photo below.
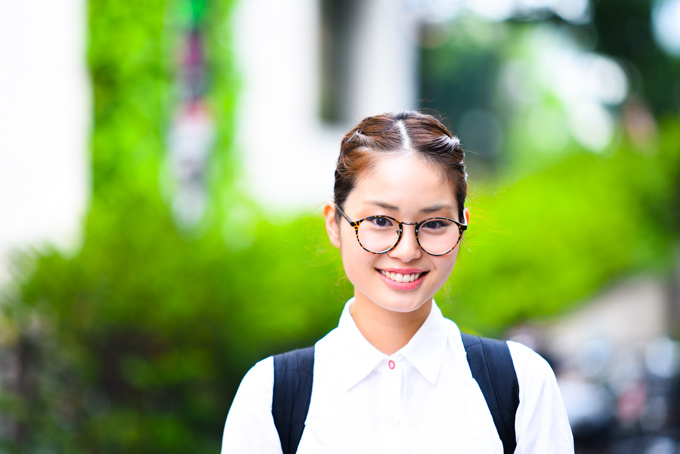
(404, 280)
(398, 277)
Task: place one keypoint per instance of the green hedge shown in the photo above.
(544, 243)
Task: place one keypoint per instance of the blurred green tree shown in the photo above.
(625, 31)
(137, 342)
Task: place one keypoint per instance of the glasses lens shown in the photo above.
(438, 235)
(378, 233)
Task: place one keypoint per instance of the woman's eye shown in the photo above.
(378, 221)
(437, 224)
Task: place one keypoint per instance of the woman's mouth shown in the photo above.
(402, 280)
(398, 277)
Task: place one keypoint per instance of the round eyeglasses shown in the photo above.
(380, 234)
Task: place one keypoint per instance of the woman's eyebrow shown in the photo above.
(384, 205)
(426, 210)
(438, 207)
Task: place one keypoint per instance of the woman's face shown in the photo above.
(408, 189)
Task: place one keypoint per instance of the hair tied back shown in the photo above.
(350, 138)
(411, 132)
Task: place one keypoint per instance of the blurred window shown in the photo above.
(337, 39)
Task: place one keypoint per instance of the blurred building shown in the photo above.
(310, 70)
(44, 124)
(625, 319)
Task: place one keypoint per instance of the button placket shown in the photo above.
(394, 422)
(395, 416)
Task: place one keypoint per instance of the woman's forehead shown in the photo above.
(405, 168)
(400, 180)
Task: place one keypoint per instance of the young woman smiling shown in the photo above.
(393, 377)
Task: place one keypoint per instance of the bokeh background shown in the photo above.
(162, 166)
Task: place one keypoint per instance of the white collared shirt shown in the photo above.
(421, 399)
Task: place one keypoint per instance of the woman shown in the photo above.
(393, 377)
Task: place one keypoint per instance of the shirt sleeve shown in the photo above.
(541, 423)
(250, 425)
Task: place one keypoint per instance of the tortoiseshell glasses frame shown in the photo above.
(461, 228)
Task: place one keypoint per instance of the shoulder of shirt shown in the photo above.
(542, 423)
(525, 356)
(266, 364)
(332, 341)
(260, 376)
(453, 333)
(531, 368)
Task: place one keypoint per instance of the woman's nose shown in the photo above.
(408, 248)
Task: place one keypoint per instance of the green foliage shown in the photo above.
(625, 31)
(144, 335)
(131, 75)
(545, 242)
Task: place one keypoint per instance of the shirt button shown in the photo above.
(395, 422)
(391, 364)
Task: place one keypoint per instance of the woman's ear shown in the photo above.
(332, 227)
(466, 213)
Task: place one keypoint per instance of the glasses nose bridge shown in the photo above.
(415, 233)
(402, 224)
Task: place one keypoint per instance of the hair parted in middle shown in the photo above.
(402, 132)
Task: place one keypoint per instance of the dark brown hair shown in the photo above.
(400, 132)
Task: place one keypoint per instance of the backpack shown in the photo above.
(490, 362)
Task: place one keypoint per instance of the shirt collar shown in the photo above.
(426, 349)
(359, 357)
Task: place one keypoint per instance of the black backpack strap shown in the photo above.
(293, 375)
(490, 362)
(491, 365)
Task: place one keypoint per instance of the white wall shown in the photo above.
(288, 153)
(44, 124)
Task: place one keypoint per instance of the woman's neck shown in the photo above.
(386, 330)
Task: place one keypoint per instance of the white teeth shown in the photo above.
(398, 277)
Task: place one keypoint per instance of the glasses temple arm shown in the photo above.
(345, 216)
